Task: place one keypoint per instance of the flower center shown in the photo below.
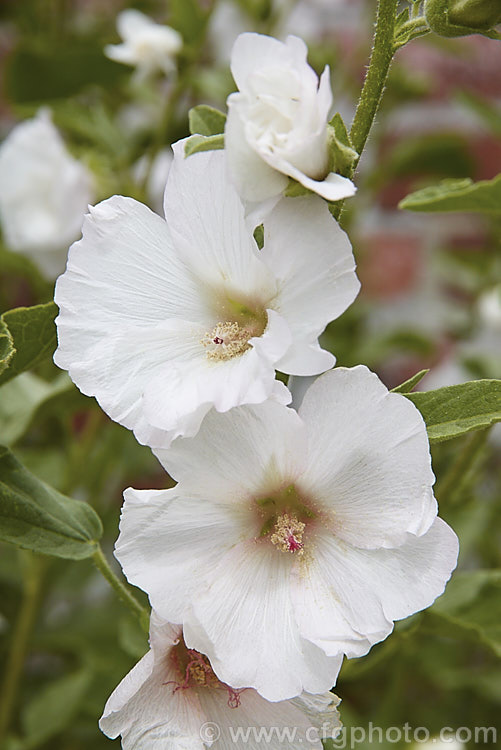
(227, 340)
(194, 671)
(288, 534)
(285, 516)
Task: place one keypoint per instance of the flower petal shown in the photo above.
(311, 258)
(246, 450)
(207, 221)
(251, 636)
(167, 544)
(254, 179)
(254, 52)
(369, 459)
(347, 598)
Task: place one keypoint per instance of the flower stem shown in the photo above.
(382, 54)
(34, 567)
(450, 489)
(120, 588)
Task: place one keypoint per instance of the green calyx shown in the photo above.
(454, 18)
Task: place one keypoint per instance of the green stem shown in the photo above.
(120, 588)
(33, 574)
(449, 490)
(375, 80)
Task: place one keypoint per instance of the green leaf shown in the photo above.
(198, 143)
(53, 708)
(37, 517)
(342, 154)
(409, 384)
(33, 335)
(457, 195)
(205, 120)
(472, 601)
(457, 409)
(7, 350)
(294, 189)
(21, 398)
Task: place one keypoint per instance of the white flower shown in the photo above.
(162, 320)
(172, 700)
(147, 45)
(277, 122)
(292, 539)
(44, 193)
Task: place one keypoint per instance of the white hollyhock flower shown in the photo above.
(292, 539)
(44, 193)
(277, 121)
(147, 45)
(161, 320)
(172, 700)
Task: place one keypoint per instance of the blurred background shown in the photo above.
(431, 298)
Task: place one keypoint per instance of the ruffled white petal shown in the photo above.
(254, 179)
(346, 598)
(207, 221)
(253, 53)
(369, 459)
(168, 544)
(312, 260)
(244, 451)
(251, 635)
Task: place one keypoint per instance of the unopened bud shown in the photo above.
(463, 17)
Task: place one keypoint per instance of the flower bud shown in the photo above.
(453, 18)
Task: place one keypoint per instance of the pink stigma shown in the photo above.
(292, 543)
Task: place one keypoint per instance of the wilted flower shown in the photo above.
(147, 45)
(277, 122)
(292, 539)
(163, 319)
(172, 699)
(44, 193)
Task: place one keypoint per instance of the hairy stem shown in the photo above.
(120, 588)
(382, 54)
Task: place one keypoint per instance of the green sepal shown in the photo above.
(294, 189)
(197, 143)
(205, 120)
(342, 155)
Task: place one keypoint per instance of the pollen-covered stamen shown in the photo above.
(227, 340)
(288, 534)
(194, 671)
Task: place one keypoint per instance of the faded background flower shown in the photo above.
(423, 276)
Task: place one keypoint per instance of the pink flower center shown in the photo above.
(194, 671)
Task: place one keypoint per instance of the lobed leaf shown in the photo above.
(457, 195)
(37, 517)
(205, 120)
(457, 409)
(34, 338)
